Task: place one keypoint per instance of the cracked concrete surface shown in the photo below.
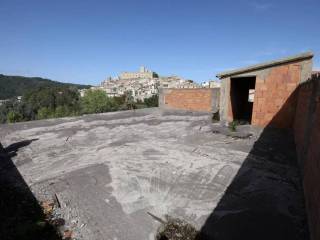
(110, 169)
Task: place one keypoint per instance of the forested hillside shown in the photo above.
(12, 86)
(65, 101)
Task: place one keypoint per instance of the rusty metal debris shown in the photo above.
(156, 218)
(57, 200)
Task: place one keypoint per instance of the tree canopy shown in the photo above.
(63, 101)
(96, 101)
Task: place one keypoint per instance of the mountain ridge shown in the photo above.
(13, 86)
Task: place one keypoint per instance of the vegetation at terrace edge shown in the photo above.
(65, 101)
(13, 86)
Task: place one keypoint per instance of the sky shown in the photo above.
(86, 41)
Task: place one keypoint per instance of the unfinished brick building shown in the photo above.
(273, 84)
(286, 95)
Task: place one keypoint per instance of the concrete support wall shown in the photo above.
(307, 138)
(275, 98)
(193, 99)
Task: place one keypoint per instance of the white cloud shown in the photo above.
(261, 6)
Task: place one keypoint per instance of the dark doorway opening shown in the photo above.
(242, 97)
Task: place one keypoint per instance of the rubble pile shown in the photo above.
(53, 217)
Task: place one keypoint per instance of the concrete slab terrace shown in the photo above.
(110, 169)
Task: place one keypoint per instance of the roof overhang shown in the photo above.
(300, 57)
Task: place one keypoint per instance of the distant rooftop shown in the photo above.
(316, 72)
(295, 58)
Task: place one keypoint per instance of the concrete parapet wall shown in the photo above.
(193, 99)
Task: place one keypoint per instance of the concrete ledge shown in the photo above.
(303, 56)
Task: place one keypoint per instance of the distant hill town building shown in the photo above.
(205, 84)
(315, 72)
(143, 73)
(214, 84)
(211, 84)
(3, 101)
(142, 84)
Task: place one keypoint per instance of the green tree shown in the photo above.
(44, 113)
(96, 101)
(4, 110)
(120, 101)
(52, 102)
(64, 111)
(130, 100)
(13, 117)
(152, 101)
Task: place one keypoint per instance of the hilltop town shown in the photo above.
(43, 98)
(145, 83)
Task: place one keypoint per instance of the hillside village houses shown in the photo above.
(143, 84)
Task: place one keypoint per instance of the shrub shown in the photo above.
(177, 229)
(96, 101)
(13, 117)
(233, 126)
(44, 113)
(152, 101)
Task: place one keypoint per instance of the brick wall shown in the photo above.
(311, 179)
(301, 117)
(274, 102)
(307, 138)
(194, 99)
